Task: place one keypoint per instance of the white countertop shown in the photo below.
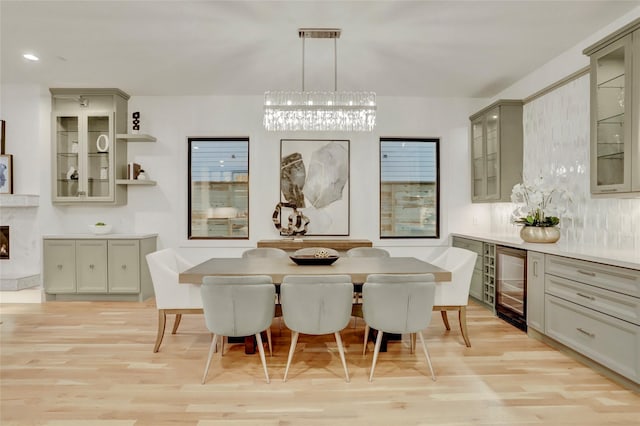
(99, 237)
(623, 258)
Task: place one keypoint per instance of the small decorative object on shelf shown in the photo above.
(142, 175)
(135, 128)
(540, 206)
(100, 228)
(102, 143)
(6, 174)
(133, 171)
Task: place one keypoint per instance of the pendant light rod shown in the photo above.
(334, 33)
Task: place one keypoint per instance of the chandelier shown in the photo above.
(320, 110)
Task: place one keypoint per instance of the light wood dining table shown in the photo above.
(356, 267)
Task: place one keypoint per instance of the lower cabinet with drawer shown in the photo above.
(594, 309)
(109, 267)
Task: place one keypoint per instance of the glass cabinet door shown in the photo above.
(99, 169)
(492, 164)
(477, 156)
(611, 149)
(67, 153)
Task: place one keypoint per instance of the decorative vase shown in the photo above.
(540, 234)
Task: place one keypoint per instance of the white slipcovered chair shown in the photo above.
(395, 303)
(236, 306)
(367, 252)
(264, 252)
(454, 295)
(316, 305)
(171, 296)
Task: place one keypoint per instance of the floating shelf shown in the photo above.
(19, 200)
(135, 182)
(136, 138)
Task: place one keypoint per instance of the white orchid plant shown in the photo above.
(539, 204)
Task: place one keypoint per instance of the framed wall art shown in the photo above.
(314, 176)
(6, 174)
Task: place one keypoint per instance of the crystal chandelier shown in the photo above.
(320, 110)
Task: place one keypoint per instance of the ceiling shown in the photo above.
(395, 48)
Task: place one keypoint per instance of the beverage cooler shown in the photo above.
(511, 286)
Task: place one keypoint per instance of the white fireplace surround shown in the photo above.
(22, 269)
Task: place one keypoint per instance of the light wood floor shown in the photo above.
(91, 363)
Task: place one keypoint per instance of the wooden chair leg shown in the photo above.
(376, 351)
(366, 339)
(445, 320)
(412, 338)
(211, 350)
(269, 341)
(462, 318)
(176, 323)
(162, 321)
(341, 350)
(292, 349)
(426, 354)
(262, 357)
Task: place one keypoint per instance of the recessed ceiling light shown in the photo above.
(30, 57)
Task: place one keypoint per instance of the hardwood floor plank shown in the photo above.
(91, 363)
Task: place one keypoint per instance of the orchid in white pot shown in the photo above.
(539, 205)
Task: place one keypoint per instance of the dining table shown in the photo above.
(358, 268)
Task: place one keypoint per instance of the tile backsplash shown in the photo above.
(556, 147)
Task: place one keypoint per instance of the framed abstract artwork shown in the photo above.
(6, 174)
(314, 176)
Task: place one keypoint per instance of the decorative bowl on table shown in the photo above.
(100, 229)
(310, 259)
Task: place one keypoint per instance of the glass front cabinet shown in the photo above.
(496, 151)
(87, 157)
(615, 112)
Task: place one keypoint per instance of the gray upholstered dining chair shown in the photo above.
(264, 252)
(236, 306)
(367, 252)
(316, 304)
(394, 303)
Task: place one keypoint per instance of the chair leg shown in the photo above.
(341, 350)
(269, 341)
(462, 318)
(445, 320)
(262, 357)
(162, 321)
(211, 350)
(292, 349)
(176, 323)
(366, 339)
(376, 351)
(412, 338)
(426, 353)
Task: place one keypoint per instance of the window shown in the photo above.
(409, 188)
(218, 188)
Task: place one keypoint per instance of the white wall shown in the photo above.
(162, 208)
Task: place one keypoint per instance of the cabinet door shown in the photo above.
(492, 154)
(91, 266)
(98, 165)
(635, 123)
(476, 284)
(124, 266)
(66, 157)
(59, 266)
(535, 290)
(478, 181)
(610, 118)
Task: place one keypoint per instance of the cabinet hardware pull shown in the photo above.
(586, 296)
(585, 332)
(535, 268)
(591, 274)
(59, 267)
(608, 190)
(91, 266)
(124, 266)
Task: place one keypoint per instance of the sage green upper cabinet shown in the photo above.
(87, 157)
(496, 151)
(615, 107)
